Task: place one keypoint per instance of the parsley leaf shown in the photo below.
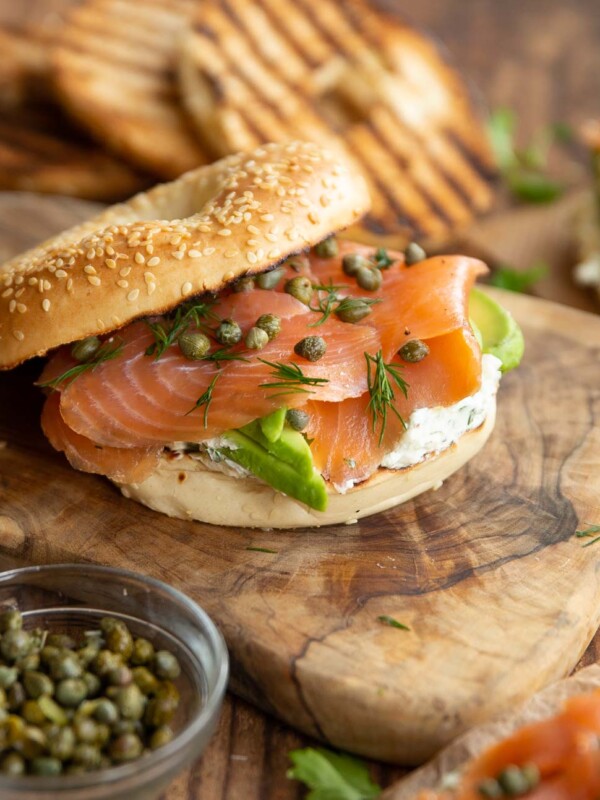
(516, 280)
(332, 776)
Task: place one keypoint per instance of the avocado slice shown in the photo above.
(291, 447)
(496, 330)
(272, 424)
(248, 453)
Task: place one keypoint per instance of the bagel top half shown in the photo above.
(238, 216)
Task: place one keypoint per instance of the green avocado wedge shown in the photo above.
(496, 330)
(272, 425)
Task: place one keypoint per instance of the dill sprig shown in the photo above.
(393, 623)
(106, 352)
(591, 531)
(291, 379)
(382, 259)
(223, 354)
(380, 380)
(205, 399)
(326, 305)
(169, 329)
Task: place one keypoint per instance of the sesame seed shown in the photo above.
(274, 253)
(60, 273)
(195, 254)
(224, 232)
(47, 285)
(111, 263)
(12, 306)
(89, 269)
(7, 292)
(149, 277)
(46, 304)
(314, 218)
(175, 240)
(133, 295)
(270, 237)
(230, 253)
(304, 202)
(186, 288)
(253, 229)
(19, 280)
(21, 308)
(267, 217)
(208, 251)
(139, 258)
(60, 262)
(94, 280)
(19, 335)
(151, 287)
(70, 285)
(251, 257)
(204, 228)
(124, 271)
(123, 284)
(91, 254)
(110, 251)
(253, 242)
(19, 293)
(154, 261)
(150, 249)
(178, 255)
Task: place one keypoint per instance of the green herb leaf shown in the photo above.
(562, 131)
(501, 128)
(223, 354)
(261, 550)
(106, 352)
(393, 623)
(518, 280)
(291, 379)
(332, 776)
(326, 305)
(591, 531)
(532, 186)
(169, 328)
(382, 259)
(380, 380)
(205, 399)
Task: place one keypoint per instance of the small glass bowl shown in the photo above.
(73, 598)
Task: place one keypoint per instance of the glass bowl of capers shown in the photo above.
(110, 683)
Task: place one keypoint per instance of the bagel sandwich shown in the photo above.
(221, 354)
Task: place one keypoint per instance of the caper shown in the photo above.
(256, 339)
(127, 726)
(126, 747)
(30, 662)
(61, 640)
(490, 788)
(106, 661)
(13, 764)
(16, 696)
(194, 345)
(52, 711)
(13, 729)
(328, 248)
(352, 310)
(301, 288)
(512, 781)
(71, 692)
(166, 665)
(85, 729)
(145, 680)
(413, 254)
(270, 324)
(93, 683)
(130, 701)
(106, 711)
(161, 709)
(119, 639)
(352, 262)
(369, 279)
(65, 665)
(143, 651)
(269, 280)
(61, 743)
(161, 736)
(3, 698)
(33, 742)
(413, 351)
(243, 285)
(88, 755)
(15, 644)
(37, 684)
(32, 713)
(11, 620)
(47, 654)
(228, 333)
(531, 773)
(312, 348)
(85, 348)
(297, 419)
(8, 675)
(46, 765)
(120, 676)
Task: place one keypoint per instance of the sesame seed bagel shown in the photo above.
(238, 216)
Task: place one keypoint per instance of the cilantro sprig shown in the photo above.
(381, 380)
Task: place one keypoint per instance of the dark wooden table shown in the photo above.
(540, 58)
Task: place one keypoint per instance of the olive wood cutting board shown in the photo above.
(499, 596)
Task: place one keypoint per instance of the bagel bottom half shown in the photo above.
(186, 489)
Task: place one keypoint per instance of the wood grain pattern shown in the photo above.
(467, 567)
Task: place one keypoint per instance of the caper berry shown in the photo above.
(130, 702)
(256, 339)
(11, 620)
(85, 349)
(369, 278)
(161, 736)
(145, 680)
(352, 262)
(71, 692)
(194, 345)
(228, 333)
(312, 348)
(166, 665)
(13, 764)
(413, 351)
(270, 324)
(127, 747)
(352, 310)
(297, 419)
(15, 644)
(269, 280)
(119, 639)
(37, 684)
(328, 248)
(46, 765)
(143, 652)
(301, 288)
(8, 675)
(243, 285)
(413, 254)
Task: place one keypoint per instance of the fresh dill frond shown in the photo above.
(223, 354)
(205, 399)
(290, 378)
(381, 378)
(169, 329)
(326, 304)
(591, 531)
(393, 623)
(382, 259)
(106, 352)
